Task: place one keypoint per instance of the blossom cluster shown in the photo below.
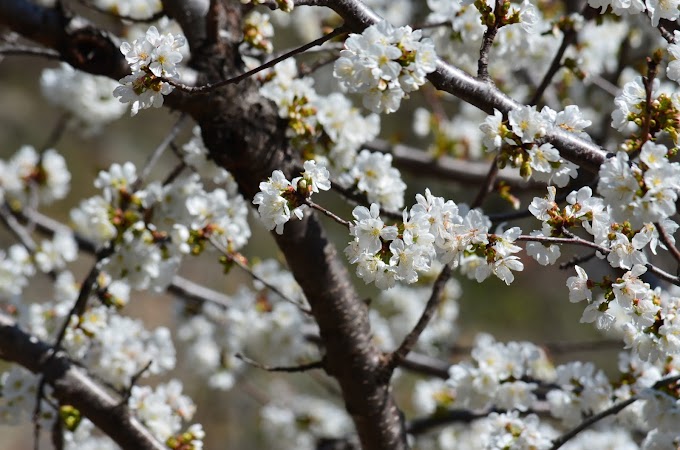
(328, 129)
(632, 113)
(153, 228)
(656, 9)
(644, 191)
(517, 141)
(152, 59)
(385, 64)
(373, 175)
(634, 196)
(646, 318)
(673, 69)
(29, 173)
(432, 228)
(519, 42)
(279, 198)
(300, 421)
(518, 377)
(113, 347)
(258, 31)
(163, 410)
(257, 322)
(495, 376)
(88, 98)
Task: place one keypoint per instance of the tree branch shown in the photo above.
(271, 63)
(399, 355)
(487, 186)
(73, 386)
(487, 42)
(445, 168)
(288, 369)
(559, 442)
(478, 93)
(667, 240)
(425, 424)
(85, 48)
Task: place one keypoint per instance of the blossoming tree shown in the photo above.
(527, 81)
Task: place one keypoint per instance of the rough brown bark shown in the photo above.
(245, 135)
(73, 386)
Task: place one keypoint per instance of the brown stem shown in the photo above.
(487, 186)
(288, 369)
(153, 158)
(666, 239)
(487, 42)
(328, 213)
(271, 63)
(397, 357)
(559, 442)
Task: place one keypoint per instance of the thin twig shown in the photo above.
(487, 42)
(424, 424)
(512, 215)
(153, 158)
(174, 173)
(133, 381)
(648, 82)
(305, 70)
(359, 198)
(85, 290)
(579, 259)
(288, 369)
(428, 25)
(399, 355)
(57, 132)
(666, 239)
(426, 365)
(330, 214)
(271, 63)
(560, 441)
(238, 260)
(568, 39)
(604, 84)
(13, 225)
(487, 186)
(663, 274)
(575, 240)
(25, 50)
(556, 64)
(666, 34)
